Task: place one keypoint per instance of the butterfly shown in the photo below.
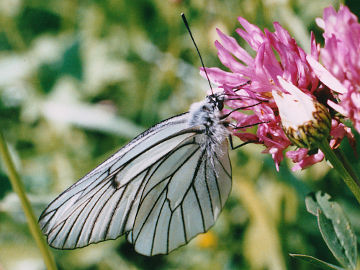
(166, 186)
(162, 189)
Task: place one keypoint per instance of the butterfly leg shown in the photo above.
(239, 109)
(251, 125)
(237, 146)
(241, 85)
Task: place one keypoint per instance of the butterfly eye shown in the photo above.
(220, 104)
(205, 108)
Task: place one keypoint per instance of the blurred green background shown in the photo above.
(78, 79)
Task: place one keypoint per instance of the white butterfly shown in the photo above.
(166, 186)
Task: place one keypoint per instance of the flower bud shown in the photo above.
(305, 121)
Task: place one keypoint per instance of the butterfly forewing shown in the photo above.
(97, 187)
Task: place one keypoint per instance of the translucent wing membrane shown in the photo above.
(176, 207)
(162, 189)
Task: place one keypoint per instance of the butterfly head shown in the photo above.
(217, 100)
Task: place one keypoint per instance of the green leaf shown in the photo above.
(329, 235)
(311, 205)
(315, 261)
(334, 227)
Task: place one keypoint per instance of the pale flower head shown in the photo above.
(305, 121)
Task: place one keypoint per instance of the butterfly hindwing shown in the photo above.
(183, 204)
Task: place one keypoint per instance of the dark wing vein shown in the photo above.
(165, 188)
(73, 210)
(191, 186)
(208, 189)
(86, 218)
(222, 165)
(164, 160)
(131, 205)
(156, 225)
(217, 184)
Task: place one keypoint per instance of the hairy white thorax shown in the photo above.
(206, 113)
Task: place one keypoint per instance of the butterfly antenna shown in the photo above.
(197, 49)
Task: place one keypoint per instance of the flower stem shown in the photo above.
(19, 189)
(340, 163)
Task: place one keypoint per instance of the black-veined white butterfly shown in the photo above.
(166, 186)
(162, 189)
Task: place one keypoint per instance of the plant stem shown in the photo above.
(340, 163)
(31, 220)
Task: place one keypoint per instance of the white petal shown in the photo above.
(295, 108)
(325, 76)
